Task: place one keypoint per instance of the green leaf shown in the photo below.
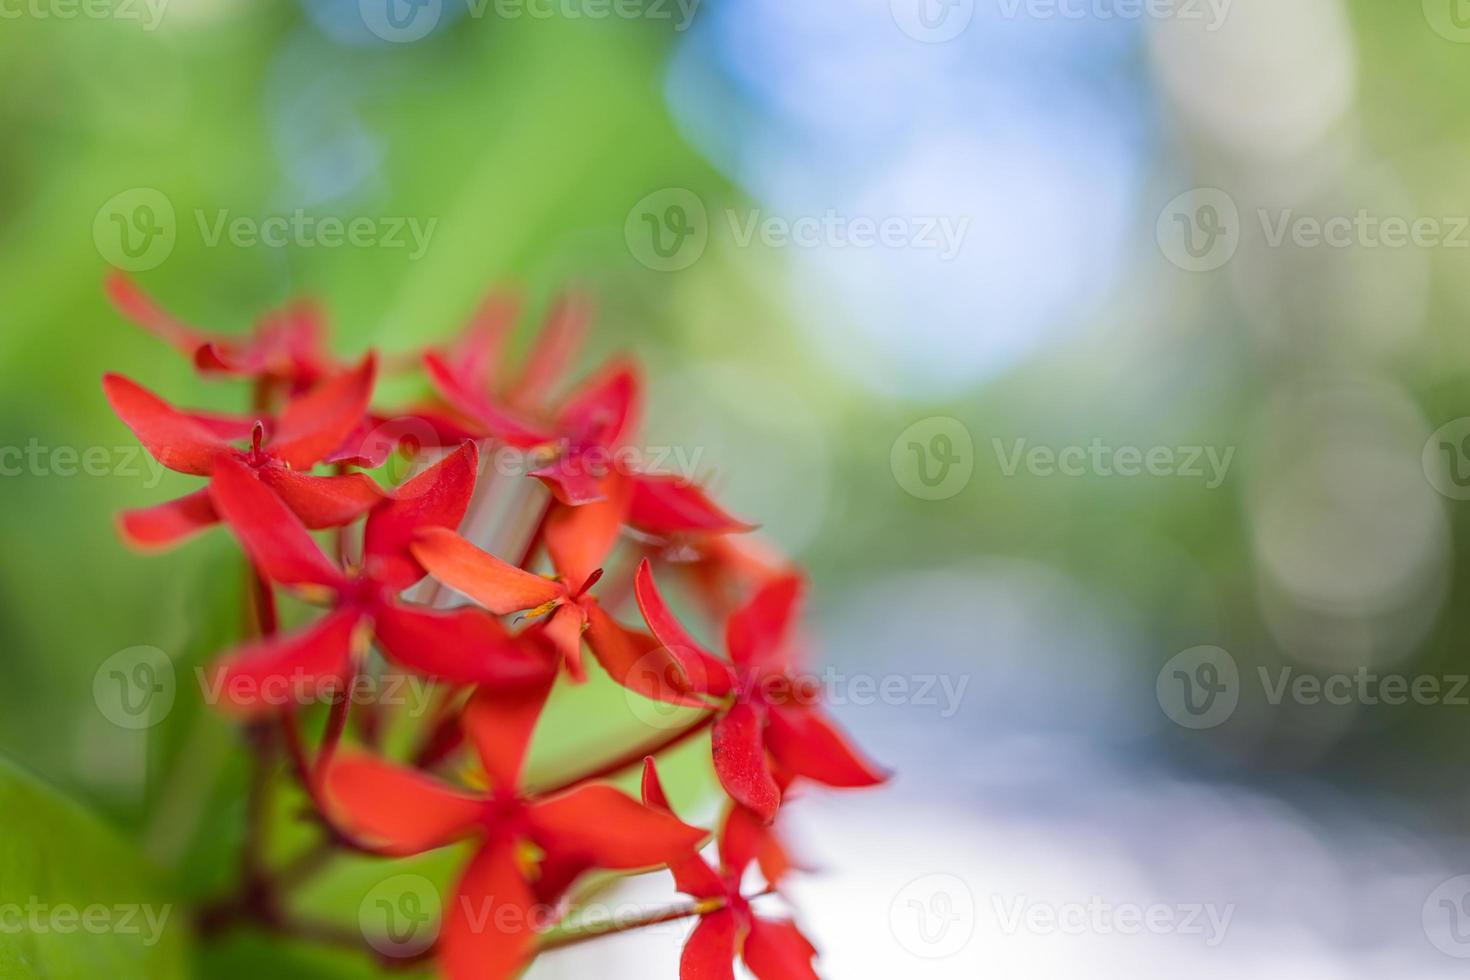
(76, 900)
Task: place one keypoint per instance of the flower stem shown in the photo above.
(636, 755)
(572, 937)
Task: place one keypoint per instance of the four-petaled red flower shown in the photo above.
(773, 949)
(768, 713)
(525, 841)
(308, 429)
(462, 646)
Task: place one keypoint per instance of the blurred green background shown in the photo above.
(529, 145)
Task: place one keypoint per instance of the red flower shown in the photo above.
(630, 658)
(489, 926)
(308, 429)
(286, 346)
(461, 646)
(577, 442)
(768, 714)
(773, 949)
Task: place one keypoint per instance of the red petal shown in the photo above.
(165, 525)
(556, 347)
(740, 761)
(463, 646)
(134, 304)
(489, 924)
(231, 428)
(403, 809)
(579, 539)
(757, 632)
(173, 438)
(564, 630)
(501, 721)
(283, 672)
(497, 585)
(776, 950)
(692, 875)
(604, 410)
(436, 498)
(270, 533)
(803, 740)
(709, 953)
(322, 501)
(313, 425)
(660, 619)
(744, 839)
(668, 505)
(611, 829)
(500, 423)
(641, 664)
(569, 480)
(479, 352)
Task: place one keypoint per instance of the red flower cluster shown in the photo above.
(495, 663)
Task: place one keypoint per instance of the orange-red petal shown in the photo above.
(402, 810)
(436, 498)
(776, 950)
(709, 953)
(274, 537)
(165, 525)
(322, 501)
(740, 761)
(500, 722)
(462, 646)
(610, 828)
(499, 586)
(317, 422)
(172, 437)
(806, 742)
